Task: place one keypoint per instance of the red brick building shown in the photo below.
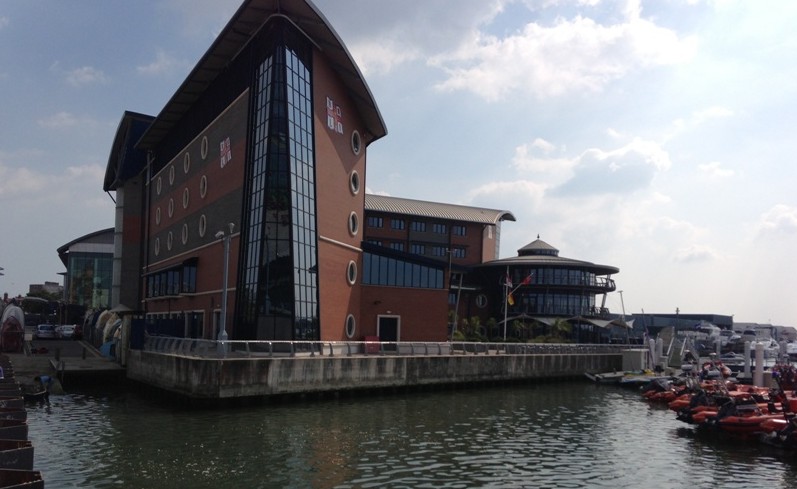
(263, 147)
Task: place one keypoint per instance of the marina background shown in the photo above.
(567, 434)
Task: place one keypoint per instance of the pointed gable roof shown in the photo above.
(251, 16)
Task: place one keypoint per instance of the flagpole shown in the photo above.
(506, 303)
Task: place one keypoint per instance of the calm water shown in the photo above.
(571, 435)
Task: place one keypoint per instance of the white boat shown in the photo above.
(791, 350)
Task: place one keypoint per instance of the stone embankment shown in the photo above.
(234, 377)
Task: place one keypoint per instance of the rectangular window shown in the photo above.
(458, 252)
(418, 249)
(374, 222)
(438, 251)
(375, 242)
(418, 226)
(397, 224)
(439, 228)
(398, 246)
(458, 230)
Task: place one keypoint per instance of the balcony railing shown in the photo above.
(194, 347)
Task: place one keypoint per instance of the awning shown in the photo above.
(602, 323)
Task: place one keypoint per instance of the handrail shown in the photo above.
(197, 347)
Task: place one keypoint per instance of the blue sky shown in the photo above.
(654, 136)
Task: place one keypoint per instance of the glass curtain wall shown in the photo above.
(278, 293)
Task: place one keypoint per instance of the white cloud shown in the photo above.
(381, 58)
(59, 120)
(85, 75)
(623, 170)
(716, 112)
(34, 188)
(715, 171)
(779, 220)
(695, 253)
(163, 64)
(546, 171)
(577, 55)
(543, 145)
(508, 191)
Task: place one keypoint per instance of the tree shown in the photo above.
(561, 329)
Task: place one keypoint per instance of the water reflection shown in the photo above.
(549, 435)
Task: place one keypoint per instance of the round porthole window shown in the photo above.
(203, 186)
(157, 246)
(185, 198)
(171, 175)
(356, 142)
(351, 326)
(203, 148)
(158, 216)
(187, 162)
(169, 241)
(158, 185)
(354, 182)
(185, 233)
(351, 273)
(354, 224)
(203, 225)
(171, 207)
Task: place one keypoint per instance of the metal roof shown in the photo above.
(247, 21)
(538, 247)
(420, 208)
(125, 161)
(550, 260)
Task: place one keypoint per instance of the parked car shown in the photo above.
(44, 331)
(65, 331)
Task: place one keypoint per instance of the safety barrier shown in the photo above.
(202, 348)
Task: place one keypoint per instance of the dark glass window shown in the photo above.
(458, 230)
(393, 272)
(278, 292)
(418, 226)
(397, 224)
(374, 222)
(439, 228)
(418, 249)
(397, 245)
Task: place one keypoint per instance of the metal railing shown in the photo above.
(195, 347)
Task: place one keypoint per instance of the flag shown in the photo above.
(510, 299)
(508, 280)
(526, 280)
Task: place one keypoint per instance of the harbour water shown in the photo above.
(570, 435)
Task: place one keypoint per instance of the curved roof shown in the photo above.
(420, 208)
(125, 161)
(247, 21)
(103, 235)
(539, 253)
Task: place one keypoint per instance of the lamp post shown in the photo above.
(222, 336)
(625, 325)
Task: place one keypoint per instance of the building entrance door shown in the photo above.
(388, 330)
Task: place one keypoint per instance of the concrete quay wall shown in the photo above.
(227, 378)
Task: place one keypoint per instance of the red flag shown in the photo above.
(526, 280)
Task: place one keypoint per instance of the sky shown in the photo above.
(656, 136)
